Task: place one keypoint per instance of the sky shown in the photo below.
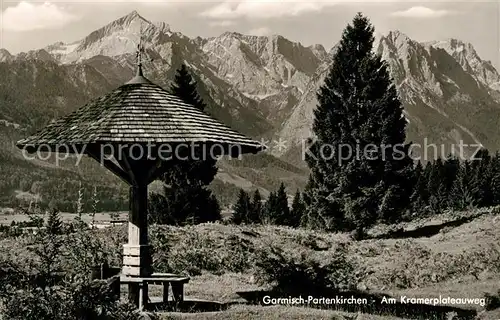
(26, 25)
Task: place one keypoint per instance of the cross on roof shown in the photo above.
(139, 77)
(140, 49)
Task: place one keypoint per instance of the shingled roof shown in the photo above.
(137, 112)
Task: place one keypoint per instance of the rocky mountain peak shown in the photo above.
(130, 24)
(470, 61)
(454, 46)
(231, 34)
(396, 40)
(117, 38)
(130, 18)
(41, 55)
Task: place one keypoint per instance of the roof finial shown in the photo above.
(139, 77)
(140, 52)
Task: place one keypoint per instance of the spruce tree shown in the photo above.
(269, 211)
(451, 167)
(242, 208)
(184, 87)
(297, 211)
(54, 224)
(482, 174)
(464, 188)
(419, 195)
(186, 198)
(183, 205)
(256, 208)
(495, 178)
(276, 210)
(438, 194)
(282, 211)
(358, 109)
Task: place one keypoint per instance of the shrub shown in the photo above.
(425, 268)
(492, 301)
(88, 249)
(305, 273)
(11, 276)
(77, 300)
(52, 284)
(197, 253)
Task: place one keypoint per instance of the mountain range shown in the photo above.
(263, 86)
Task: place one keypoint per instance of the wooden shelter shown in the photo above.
(117, 130)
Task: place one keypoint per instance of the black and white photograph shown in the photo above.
(249, 159)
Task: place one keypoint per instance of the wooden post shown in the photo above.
(165, 292)
(178, 291)
(137, 254)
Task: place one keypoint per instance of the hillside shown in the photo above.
(262, 86)
(456, 262)
(459, 262)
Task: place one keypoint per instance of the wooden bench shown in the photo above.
(165, 279)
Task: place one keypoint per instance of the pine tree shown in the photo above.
(185, 87)
(436, 187)
(282, 209)
(297, 211)
(418, 194)
(482, 174)
(241, 209)
(495, 178)
(269, 210)
(464, 188)
(358, 109)
(54, 224)
(183, 205)
(450, 171)
(186, 198)
(276, 210)
(256, 208)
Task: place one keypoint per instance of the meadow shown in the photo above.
(456, 254)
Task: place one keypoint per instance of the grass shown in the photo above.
(427, 257)
(272, 312)
(6, 219)
(221, 261)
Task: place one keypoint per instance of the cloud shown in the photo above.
(421, 13)
(26, 16)
(222, 23)
(263, 31)
(263, 9)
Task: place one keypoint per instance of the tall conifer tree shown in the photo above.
(242, 208)
(495, 178)
(184, 86)
(282, 210)
(436, 184)
(464, 189)
(269, 210)
(419, 195)
(358, 109)
(256, 208)
(297, 211)
(276, 210)
(186, 197)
